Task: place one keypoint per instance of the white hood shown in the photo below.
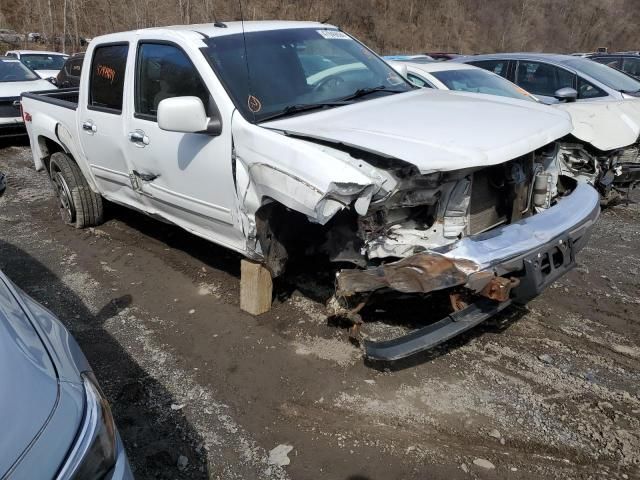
(605, 125)
(47, 73)
(14, 89)
(436, 130)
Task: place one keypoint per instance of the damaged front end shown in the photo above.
(486, 236)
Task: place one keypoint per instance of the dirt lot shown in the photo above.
(201, 390)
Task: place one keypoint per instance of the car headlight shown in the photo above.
(94, 451)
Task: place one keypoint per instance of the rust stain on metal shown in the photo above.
(499, 288)
(420, 273)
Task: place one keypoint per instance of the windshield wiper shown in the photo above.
(363, 92)
(303, 107)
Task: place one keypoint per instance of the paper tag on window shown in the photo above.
(333, 34)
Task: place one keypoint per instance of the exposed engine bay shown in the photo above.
(415, 213)
(610, 172)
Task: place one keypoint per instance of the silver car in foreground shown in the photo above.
(56, 423)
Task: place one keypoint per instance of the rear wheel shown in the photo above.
(79, 205)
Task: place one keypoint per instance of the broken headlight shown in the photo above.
(95, 450)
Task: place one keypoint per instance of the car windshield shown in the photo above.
(43, 62)
(12, 70)
(608, 76)
(481, 81)
(292, 69)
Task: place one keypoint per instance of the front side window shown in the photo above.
(589, 90)
(165, 71)
(416, 80)
(43, 62)
(543, 79)
(12, 70)
(481, 81)
(289, 68)
(106, 85)
(498, 67)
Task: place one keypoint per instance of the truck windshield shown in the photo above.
(481, 81)
(43, 62)
(293, 70)
(11, 70)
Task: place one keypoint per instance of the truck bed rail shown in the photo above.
(63, 97)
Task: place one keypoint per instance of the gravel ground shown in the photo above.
(200, 389)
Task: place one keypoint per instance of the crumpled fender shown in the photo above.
(299, 175)
(607, 125)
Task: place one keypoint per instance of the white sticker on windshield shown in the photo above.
(333, 34)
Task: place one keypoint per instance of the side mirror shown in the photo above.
(3, 183)
(566, 94)
(401, 68)
(187, 115)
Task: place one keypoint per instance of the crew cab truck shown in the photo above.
(282, 139)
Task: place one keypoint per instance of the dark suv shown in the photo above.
(69, 75)
(627, 62)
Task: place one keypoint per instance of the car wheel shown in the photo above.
(79, 205)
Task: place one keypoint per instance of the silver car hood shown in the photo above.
(435, 130)
(29, 391)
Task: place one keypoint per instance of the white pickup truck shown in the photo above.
(285, 139)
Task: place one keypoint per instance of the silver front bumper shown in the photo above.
(517, 248)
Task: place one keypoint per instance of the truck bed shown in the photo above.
(62, 97)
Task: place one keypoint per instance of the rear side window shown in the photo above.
(614, 62)
(165, 71)
(496, 66)
(74, 67)
(107, 78)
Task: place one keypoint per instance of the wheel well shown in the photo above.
(47, 148)
(283, 234)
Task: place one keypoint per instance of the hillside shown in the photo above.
(469, 26)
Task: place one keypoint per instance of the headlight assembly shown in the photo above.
(94, 453)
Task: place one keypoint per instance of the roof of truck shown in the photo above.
(211, 30)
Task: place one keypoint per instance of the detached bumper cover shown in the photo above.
(474, 260)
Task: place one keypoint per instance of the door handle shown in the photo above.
(89, 126)
(146, 177)
(139, 138)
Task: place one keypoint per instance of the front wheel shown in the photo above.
(79, 205)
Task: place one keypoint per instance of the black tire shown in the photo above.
(79, 205)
